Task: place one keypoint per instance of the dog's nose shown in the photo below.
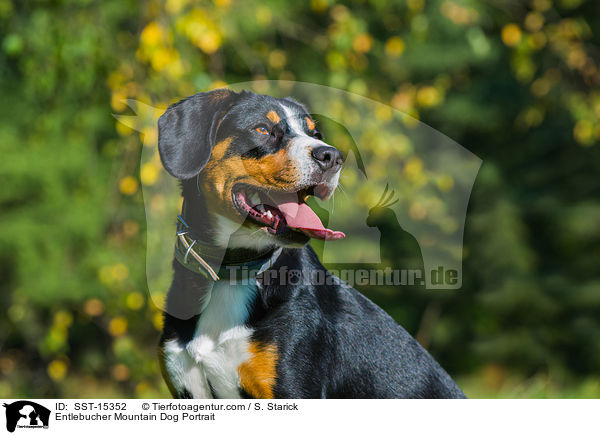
(327, 157)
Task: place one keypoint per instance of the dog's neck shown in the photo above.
(202, 228)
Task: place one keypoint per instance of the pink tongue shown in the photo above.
(300, 216)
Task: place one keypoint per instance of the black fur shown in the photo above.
(331, 341)
(187, 130)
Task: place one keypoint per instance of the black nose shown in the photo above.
(327, 157)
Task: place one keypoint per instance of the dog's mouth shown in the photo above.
(280, 211)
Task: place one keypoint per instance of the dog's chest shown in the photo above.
(220, 344)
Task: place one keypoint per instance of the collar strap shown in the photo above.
(189, 253)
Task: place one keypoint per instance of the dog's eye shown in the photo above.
(317, 134)
(262, 130)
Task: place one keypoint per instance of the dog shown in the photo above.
(246, 164)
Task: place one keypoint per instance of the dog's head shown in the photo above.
(247, 163)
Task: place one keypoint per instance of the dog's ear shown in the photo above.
(187, 131)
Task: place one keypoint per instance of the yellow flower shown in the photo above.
(217, 84)
(157, 321)
(157, 202)
(277, 59)
(120, 272)
(175, 69)
(142, 388)
(263, 15)
(428, 96)
(152, 34)
(123, 129)
(583, 132)
(534, 21)
(120, 372)
(394, 46)
(413, 169)
(318, 5)
(362, 43)
(128, 185)
(63, 319)
(134, 301)
(173, 7)
(542, 5)
(117, 326)
(511, 35)
(149, 136)
(416, 5)
(208, 41)
(576, 58)
(105, 275)
(383, 113)
(540, 87)
(445, 183)
(223, 3)
(459, 14)
(162, 58)
(537, 41)
(130, 228)
(93, 307)
(417, 211)
(158, 300)
(149, 173)
(57, 370)
(117, 100)
(336, 60)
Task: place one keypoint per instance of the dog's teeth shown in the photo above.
(269, 214)
(255, 198)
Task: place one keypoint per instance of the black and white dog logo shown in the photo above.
(26, 414)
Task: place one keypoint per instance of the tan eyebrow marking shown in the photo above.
(219, 150)
(273, 116)
(310, 123)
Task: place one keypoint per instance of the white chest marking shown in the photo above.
(219, 346)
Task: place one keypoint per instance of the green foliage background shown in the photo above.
(514, 82)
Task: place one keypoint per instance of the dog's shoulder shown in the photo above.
(332, 341)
